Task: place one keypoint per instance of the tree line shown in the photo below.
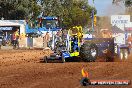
(70, 12)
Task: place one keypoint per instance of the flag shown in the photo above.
(92, 14)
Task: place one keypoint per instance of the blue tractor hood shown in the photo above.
(31, 30)
(39, 30)
(43, 28)
(51, 29)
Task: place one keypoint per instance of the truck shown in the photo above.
(41, 26)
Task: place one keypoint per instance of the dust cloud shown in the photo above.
(115, 9)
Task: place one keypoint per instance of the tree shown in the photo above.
(127, 3)
(71, 12)
(18, 9)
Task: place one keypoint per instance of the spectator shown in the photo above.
(15, 39)
(129, 40)
(46, 39)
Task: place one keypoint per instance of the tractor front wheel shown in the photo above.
(63, 59)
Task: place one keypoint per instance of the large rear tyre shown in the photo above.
(88, 52)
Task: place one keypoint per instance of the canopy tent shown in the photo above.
(115, 29)
(128, 29)
(6, 28)
(11, 22)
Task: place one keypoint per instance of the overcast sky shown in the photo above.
(105, 7)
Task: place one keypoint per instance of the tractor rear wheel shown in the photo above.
(88, 52)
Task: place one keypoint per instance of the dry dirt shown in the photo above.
(22, 69)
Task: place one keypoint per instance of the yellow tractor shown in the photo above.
(85, 50)
(72, 46)
(76, 35)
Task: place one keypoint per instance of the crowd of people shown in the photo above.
(15, 37)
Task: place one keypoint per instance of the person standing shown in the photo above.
(46, 39)
(16, 39)
(129, 41)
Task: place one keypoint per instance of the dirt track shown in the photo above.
(22, 69)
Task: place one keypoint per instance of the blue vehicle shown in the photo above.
(70, 47)
(43, 25)
(73, 47)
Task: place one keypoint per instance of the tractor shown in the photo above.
(70, 45)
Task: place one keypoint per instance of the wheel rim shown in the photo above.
(93, 52)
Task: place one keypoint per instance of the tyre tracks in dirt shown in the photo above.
(28, 72)
(15, 57)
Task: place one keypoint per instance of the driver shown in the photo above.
(58, 37)
(74, 43)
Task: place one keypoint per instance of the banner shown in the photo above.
(5, 28)
(120, 19)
